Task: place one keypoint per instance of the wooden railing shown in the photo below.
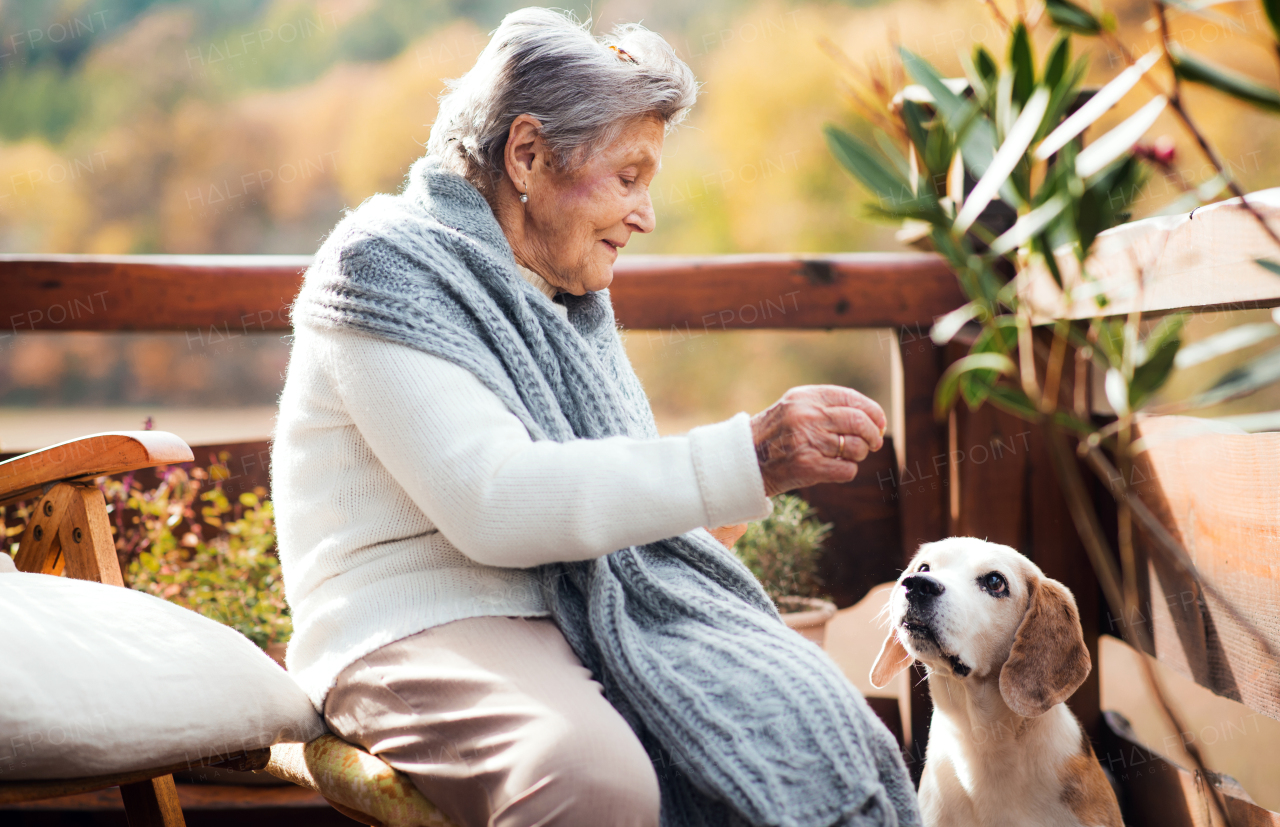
(247, 294)
(982, 473)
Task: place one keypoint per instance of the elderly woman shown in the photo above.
(498, 576)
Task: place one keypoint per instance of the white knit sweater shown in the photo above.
(407, 495)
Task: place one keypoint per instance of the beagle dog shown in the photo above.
(1003, 648)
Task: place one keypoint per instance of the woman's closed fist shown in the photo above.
(816, 434)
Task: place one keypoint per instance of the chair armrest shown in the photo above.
(86, 457)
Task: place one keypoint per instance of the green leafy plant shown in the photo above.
(232, 577)
(992, 172)
(783, 549)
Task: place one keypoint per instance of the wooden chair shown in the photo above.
(69, 533)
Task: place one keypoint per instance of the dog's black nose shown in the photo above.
(922, 587)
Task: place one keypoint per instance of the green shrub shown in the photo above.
(783, 549)
(233, 577)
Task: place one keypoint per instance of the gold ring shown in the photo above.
(840, 447)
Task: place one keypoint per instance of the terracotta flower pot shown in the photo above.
(808, 616)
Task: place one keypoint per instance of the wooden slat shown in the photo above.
(219, 297)
(70, 292)
(40, 547)
(87, 457)
(1160, 793)
(1218, 494)
(12, 792)
(760, 292)
(201, 796)
(1199, 260)
(85, 536)
(889, 713)
(991, 451)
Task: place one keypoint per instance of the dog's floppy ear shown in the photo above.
(892, 660)
(1049, 660)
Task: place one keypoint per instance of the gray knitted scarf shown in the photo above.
(746, 722)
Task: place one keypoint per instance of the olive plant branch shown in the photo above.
(1053, 371)
(1079, 388)
(1027, 364)
(1179, 107)
(999, 15)
(1037, 14)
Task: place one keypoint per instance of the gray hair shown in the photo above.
(583, 90)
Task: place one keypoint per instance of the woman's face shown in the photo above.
(574, 223)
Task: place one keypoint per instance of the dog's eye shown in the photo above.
(923, 567)
(994, 582)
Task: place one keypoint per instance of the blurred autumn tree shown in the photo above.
(246, 126)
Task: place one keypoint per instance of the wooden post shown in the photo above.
(152, 803)
(990, 454)
(923, 485)
(865, 545)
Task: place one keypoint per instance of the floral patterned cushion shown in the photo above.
(357, 784)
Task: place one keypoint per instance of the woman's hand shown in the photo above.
(816, 433)
(729, 534)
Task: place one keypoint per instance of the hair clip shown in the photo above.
(622, 54)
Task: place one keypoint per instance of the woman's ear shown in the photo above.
(524, 146)
(892, 660)
(1049, 659)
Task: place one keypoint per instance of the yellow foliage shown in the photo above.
(750, 172)
(42, 206)
(114, 238)
(270, 171)
(390, 121)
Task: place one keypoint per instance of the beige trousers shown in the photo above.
(499, 724)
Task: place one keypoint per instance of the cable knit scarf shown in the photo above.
(746, 722)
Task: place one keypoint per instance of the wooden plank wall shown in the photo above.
(865, 546)
(1160, 793)
(1219, 494)
(1006, 491)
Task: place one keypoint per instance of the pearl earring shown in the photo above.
(524, 198)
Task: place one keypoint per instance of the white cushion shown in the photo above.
(101, 679)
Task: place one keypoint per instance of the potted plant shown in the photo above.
(782, 551)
